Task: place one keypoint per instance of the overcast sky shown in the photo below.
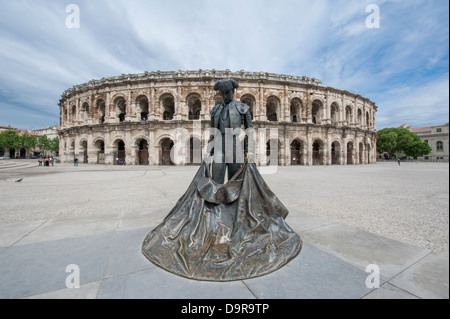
(402, 66)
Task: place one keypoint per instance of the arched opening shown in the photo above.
(349, 114)
(317, 153)
(85, 112)
(120, 153)
(335, 153)
(250, 101)
(360, 153)
(295, 109)
(164, 154)
(167, 102)
(317, 112)
(359, 117)
(350, 153)
(100, 146)
(368, 153)
(272, 109)
(142, 152)
(12, 153)
(100, 105)
(194, 104)
(368, 119)
(73, 114)
(2, 152)
(120, 106)
(334, 113)
(296, 153)
(84, 149)
(142, 105)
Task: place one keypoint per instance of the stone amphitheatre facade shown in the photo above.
(131, 119)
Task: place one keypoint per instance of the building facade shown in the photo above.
(437, 138)
(134, 119)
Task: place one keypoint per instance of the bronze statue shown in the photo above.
(224, 232)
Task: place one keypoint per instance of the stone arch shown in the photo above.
(167, 106)
(250, 100)
(99, 145)
(142, 106)
(120, 107)
(368, 119)
(100, 107)
(142, 150)
(119, 147)
(73, 114)
(318, 152)
(83, 149)
(296, 105)
(297, 147)
(360, 152)
(350, 152)
(317, 111)
(359, 117)
(334, 113)
(336, 152)
(194, 105)
(165, 145)
(85, 112)
(349, 114)
(273, 108)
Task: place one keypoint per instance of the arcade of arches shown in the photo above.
(129, 119)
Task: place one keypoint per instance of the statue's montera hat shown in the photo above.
(226, 85)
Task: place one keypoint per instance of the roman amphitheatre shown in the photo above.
(130, 119)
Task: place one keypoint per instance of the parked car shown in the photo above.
(4, 157)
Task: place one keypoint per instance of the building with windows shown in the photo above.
(437, 138)
(133, 119)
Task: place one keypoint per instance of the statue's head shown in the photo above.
(226, 88)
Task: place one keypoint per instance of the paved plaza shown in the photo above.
(350, 218)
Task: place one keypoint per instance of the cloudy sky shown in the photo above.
(403, 66)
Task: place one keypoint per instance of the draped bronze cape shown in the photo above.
(224, 232)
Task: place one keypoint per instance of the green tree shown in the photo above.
(9, 139)
(44, 143)
(54, 144)
(27, 141)
(395, 140)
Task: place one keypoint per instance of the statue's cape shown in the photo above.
(224, 232)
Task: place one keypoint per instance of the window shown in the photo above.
(440, 146)
(438, 130)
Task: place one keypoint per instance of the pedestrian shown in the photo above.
(53, 161)
(40, 160)
(398, 161)
(75, 161)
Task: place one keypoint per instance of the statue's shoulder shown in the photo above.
(214, 109)
(242, 108)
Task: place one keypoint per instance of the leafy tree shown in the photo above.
(27, 141)
(44, 143)
(54, 144)
(9, 139)
(396, 140)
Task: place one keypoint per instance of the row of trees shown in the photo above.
(400, 140)
(11, 139)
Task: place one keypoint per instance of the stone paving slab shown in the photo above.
(361, 248)
(31, 269)
(428, 278)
